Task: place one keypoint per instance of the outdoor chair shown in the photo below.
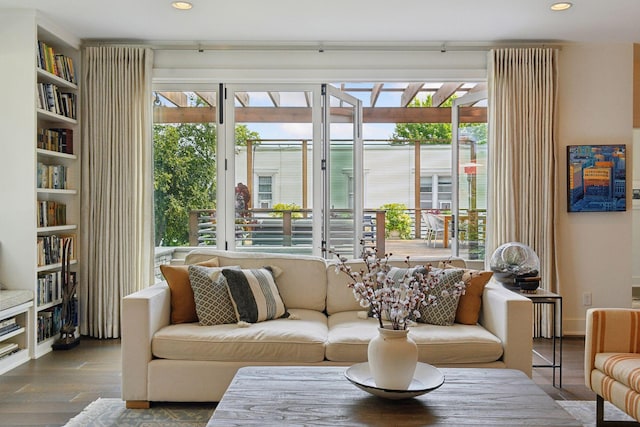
(435, 226)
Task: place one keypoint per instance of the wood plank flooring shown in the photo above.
(51, 390)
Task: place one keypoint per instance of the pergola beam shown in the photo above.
(444, 93)
(275, 98)
(208, 97)
(243, 98)
(375, 93)
(179, 99)
(409, 93)
(303, 115)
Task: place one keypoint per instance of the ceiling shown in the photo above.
(364, 22)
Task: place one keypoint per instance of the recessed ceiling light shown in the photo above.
(182, 5)
(562, 5)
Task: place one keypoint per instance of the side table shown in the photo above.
(543, 297)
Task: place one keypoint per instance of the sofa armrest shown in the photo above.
(143, 313)
(509, 316)
(610, 330)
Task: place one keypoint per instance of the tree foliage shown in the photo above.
(435, 133)
(185, 175)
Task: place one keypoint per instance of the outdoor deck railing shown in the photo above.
(262, 228)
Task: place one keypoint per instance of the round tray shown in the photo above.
(425, 379)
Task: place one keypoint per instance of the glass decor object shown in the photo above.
(514, 262)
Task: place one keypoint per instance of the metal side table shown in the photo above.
(542, 298)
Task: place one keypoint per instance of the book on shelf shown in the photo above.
(49, 287)
(7, 329)
(51, 176)
(8, 322)
(55, 63)
(8, 348)
(49, 248)
(49, 322)
(56, 139)
(52, 99)
(51, 213)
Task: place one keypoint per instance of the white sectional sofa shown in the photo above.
(187, 362)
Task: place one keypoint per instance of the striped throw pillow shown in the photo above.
(255, 295)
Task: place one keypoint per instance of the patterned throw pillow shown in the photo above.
(443, 313)
(183, 306)
(255, 295)
(213, 305)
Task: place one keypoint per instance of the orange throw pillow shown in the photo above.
(468, 310)
(183, 306)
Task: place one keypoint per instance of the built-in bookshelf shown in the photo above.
(40, 169)
(57, 178)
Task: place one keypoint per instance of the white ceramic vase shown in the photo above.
(393, 357)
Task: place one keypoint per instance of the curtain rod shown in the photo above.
(325, 46)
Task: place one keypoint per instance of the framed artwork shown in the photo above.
(596, 178)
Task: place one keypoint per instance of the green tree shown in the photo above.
(435, 133)
(185, 175)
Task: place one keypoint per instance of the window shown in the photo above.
(435, 192)
(265, 191)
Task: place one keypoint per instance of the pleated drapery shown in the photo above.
(117, 194)
(523, 154)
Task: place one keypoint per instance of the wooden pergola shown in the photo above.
(174, 107)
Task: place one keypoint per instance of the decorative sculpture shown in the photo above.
(68, 337)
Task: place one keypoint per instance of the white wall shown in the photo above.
(595, 107)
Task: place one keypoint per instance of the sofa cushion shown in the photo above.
(183, 306)
(213, 304)
(296, 341)
(622, 367)
(349, 336)
(254, 294)
(443, 312)
(302, 283)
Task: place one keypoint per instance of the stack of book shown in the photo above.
(8, 325)
(8, 348)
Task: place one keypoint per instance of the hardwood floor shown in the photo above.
(51, 390)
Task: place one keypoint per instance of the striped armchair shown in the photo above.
(612, 360)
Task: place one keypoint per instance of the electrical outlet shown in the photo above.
(586, 299)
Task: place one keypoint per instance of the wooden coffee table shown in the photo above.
(314, 396)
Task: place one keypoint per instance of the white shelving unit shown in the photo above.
(21, 116)
(23, 315)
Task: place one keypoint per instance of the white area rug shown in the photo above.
(112, 413)
(585, 411)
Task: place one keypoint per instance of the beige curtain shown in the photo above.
(522, 153)
(116, 250)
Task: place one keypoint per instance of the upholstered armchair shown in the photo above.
(612, 360)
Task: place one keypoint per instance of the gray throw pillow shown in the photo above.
(213, 305)
(443, 313)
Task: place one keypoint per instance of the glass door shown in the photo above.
(185, 135)
(271, 132)
(342, 176)
(469, 152)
